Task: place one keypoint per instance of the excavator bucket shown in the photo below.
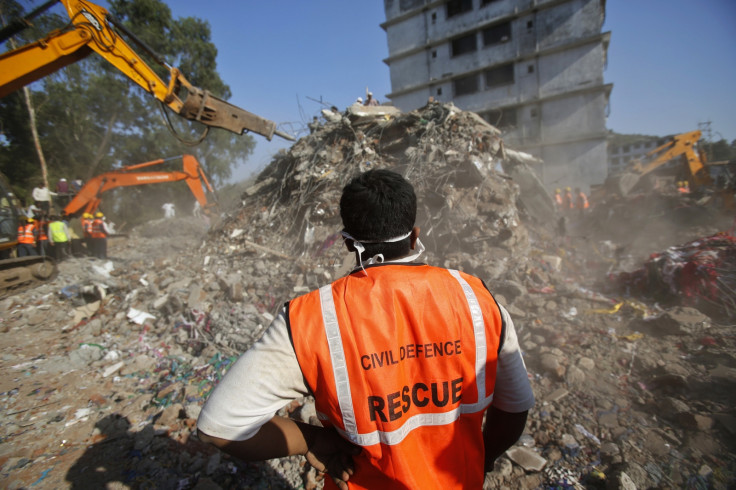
(622, 183)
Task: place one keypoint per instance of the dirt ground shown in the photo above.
(105, 402)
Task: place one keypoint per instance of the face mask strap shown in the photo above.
(378, 258)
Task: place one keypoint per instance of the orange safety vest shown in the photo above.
(86, 227)
(583, 201)
(98, 231)
(568, 200)
(42, 235)
(392, 360)
(25, 234)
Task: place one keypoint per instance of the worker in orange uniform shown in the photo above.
(99, 234)
(403, 360)
(27, 234)
(568, 204)
(42, 231)
(558, 200)
(86, 221)
(581, 201)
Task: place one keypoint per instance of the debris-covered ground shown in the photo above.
(106, 367)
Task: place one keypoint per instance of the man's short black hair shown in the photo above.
(378, 205)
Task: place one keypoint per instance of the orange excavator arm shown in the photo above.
(90, 29)
(89, 196)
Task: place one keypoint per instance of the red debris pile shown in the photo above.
(701, 274)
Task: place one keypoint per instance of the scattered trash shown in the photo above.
(139, 317)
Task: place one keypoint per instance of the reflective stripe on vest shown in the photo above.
(583, 199)
(98, 230)
(42, 232)
(56, 229)
(398, 358)
(25, 234)
(342, 380)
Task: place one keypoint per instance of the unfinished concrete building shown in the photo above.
(533, 68)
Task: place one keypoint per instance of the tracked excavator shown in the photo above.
(89, 196)
(17, 273)
(92, 29)
(681, 146)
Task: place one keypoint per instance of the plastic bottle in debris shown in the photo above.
(570, 446)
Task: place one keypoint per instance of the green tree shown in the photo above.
(720, 151)
(91, 117)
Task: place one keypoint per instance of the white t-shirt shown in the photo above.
(267, 377)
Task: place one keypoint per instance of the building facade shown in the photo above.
(621, 154)
(533, 68)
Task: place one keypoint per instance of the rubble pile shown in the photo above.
(701, 274)
(467, 206)
(107, 366)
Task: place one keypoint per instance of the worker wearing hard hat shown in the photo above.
(27, 238)
(99, 234)
(86, 220)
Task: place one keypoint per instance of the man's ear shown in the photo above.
(413, 237)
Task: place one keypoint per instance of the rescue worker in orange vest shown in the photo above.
(581, 201)
(99, 236)
(42, 228)
(403, 360)
(86, 220)
(558, 200)
(27, 238)
(568, 203)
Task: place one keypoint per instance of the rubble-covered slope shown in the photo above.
(106, 367)
(467, 205)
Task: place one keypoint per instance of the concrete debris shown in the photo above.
(526, 458)
(107, 366)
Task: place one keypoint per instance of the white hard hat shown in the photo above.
(360, 99)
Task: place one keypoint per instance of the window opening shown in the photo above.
(501, 75)
(457, 7)
(466, 85)
(463, 45)
(500, 33)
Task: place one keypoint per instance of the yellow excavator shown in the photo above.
(681, 146)
(92, 28)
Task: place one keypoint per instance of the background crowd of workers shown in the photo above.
(44, 232)
(60, 237)
(569, 202)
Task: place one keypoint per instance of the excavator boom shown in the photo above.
(90, 30)
(89, 196)
(682, 146)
